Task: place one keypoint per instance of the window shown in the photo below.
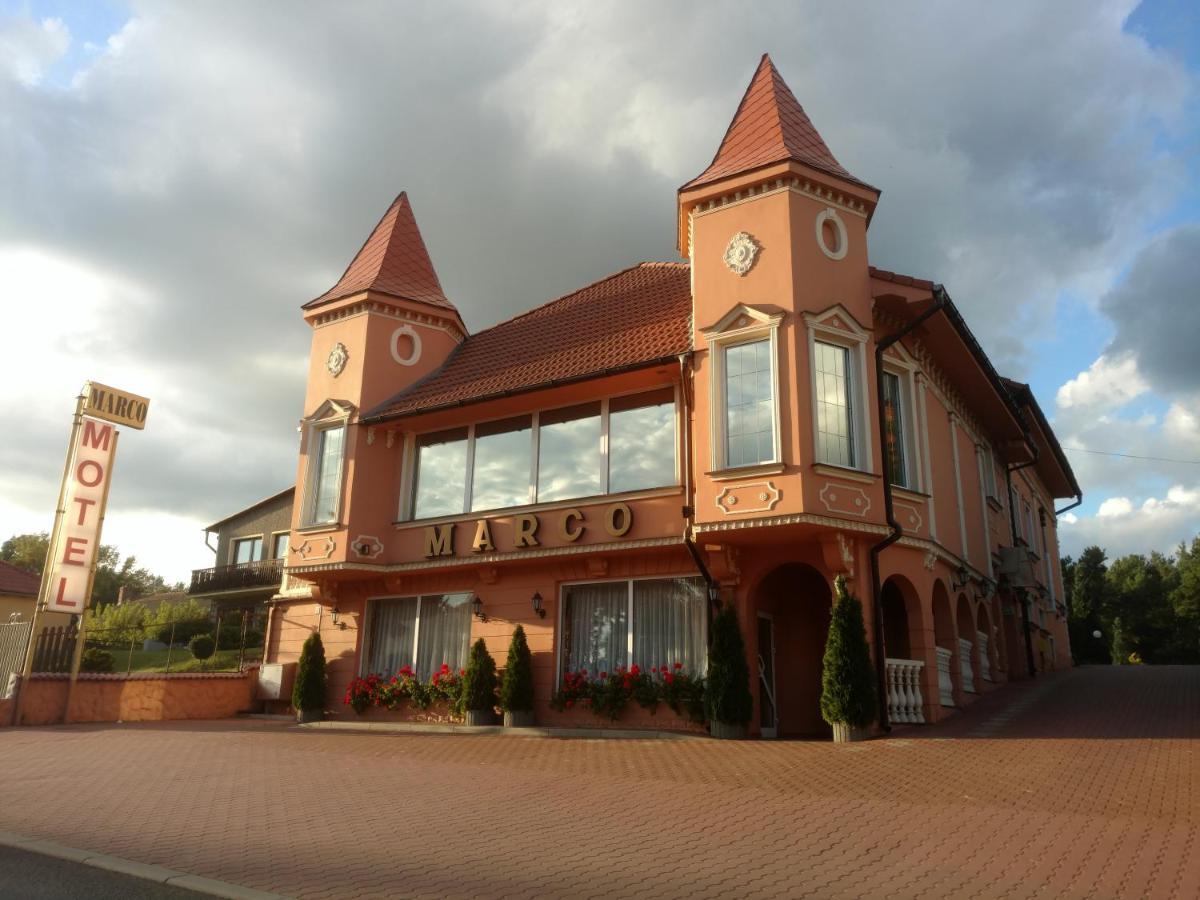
(988, 463)
(325, 474)
(835, 433)
(641, 441)
(423, 632)
(246, 550)
(895, 425)
(603, 447)
(279, 545)
(650, 622)
(749, 404)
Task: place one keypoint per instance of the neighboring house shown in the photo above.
(739, 429)
(250, 549)
(18, 593)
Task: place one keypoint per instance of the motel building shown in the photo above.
(606, 468)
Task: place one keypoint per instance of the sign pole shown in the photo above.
(51, 549)
(80, 633)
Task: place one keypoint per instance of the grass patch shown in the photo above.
(181, 660)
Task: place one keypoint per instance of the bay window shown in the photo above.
(602, 447)
(324, 487)
(749, 404)
(648, 622)
(423, 632)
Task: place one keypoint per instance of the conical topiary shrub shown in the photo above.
(479, 686)
(308, 693)
(1120, 644)
(847, 678)
(516, 692)
(728, 701)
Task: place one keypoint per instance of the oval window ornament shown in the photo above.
(831, 234)
(414, 352)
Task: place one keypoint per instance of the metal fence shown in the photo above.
(14, 638)
(236, 640)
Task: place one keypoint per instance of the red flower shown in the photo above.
(678, 666)
(654, 669)
(670, 678)
(445, 667)
(634, 670)
(603, 676)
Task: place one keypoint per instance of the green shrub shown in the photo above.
(728, 698)
(96, 660)
(1120, 644)
(847, 677)
(309, 691)
(231, 635)
(516, 691)
(202, 646)
(479, 684)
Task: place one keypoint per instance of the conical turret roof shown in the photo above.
(770, 126)
(392, 261)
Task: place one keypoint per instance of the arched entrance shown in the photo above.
(793, 604)
(965, 650)
(905, 647)
(947, 643)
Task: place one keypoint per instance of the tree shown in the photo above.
(847, 677)
(479, 684)
(1087, 606)
(728, 698)
(124, 624)
(516, 693)
(26, 551)
(1120, 647)
(308, 693)
(180, 621)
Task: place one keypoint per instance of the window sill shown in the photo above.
(908, 494)
(594, 500)
(318, 528)
(771, 468)
(844, 472)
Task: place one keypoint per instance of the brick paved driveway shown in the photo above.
(1083, 784)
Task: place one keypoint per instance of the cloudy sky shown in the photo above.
(176, 179)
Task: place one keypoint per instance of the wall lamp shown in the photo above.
(960, 579)
(333, 617)
(537, 605)
(477, 606)
(985, 590)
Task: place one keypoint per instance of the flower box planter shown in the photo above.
(519, 719)
(438, 713)
(632, 718)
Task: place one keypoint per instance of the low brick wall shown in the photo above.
(148, 697)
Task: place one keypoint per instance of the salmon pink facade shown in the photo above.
(737, 429)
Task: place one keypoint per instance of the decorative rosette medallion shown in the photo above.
(741, 253)
(338, 357)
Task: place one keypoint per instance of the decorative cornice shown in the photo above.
(364, 306)
(791, 519)
(792, 183)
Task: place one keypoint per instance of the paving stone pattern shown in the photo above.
(1088, 789)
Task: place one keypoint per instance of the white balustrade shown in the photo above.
(904, 690)
(985, 666)
(964, 665)
(945, 684)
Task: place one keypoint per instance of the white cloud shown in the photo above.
(1115, 506)
(1121, 527)
(1107, 384)
(28, 48)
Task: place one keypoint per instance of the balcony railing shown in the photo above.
(261, 573)
(905, 703)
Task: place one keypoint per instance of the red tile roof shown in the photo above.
(907, 280)
(18, 581)
(635, 317)
(392, 261)
(770, 126)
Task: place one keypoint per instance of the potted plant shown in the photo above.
(479, 686)
(516, 690)
(847, 678)
(728, 701)
(308, 693)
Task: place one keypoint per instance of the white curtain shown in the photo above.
(669, 624)
(393, 627)
(596, 627)
(445, 633)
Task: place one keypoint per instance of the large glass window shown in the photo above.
(749, 404)
(279, 545)
(570, 455)
(247, 550)
(423, 632)
(441, 473)
(501, 474)
(325, 486)
(650, 622)
(641, 441)
(554, 455)
(894, 425)
(835, 434)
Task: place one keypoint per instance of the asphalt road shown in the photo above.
(32, 876)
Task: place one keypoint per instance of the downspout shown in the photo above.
(939, 302)
(689, 506)
(1069, 507)
(1026, 625)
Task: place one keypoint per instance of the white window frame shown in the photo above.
(411, 474)
(330, 415)
(742, 325)
(562, 605)
(853, 339)
(906, 371)
(369, 621)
